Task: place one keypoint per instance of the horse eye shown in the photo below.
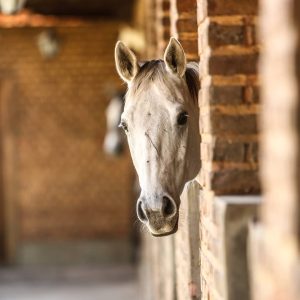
(124, 126)
(182, 118)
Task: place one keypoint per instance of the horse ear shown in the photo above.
(174, 57)
(126, 62)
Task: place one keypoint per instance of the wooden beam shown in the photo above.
(30, 19)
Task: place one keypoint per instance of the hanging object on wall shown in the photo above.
(48, 43)
(133, 38)
(9, 7)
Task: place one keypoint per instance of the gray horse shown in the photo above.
(161, 121)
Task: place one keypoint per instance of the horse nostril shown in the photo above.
(141, 213)
(169, 207)
(119, 149)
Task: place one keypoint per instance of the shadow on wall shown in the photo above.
(117, 9)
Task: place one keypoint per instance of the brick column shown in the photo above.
(228, 98)
(162, 26)
(275, 241)
(184, 26)
(229, 105)
(150, 30)
(157, 13)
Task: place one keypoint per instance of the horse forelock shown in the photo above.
(155, 71)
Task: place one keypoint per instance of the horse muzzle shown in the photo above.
(161, 217)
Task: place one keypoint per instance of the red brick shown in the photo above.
(190, 46)
(226, 94)
(233, 124)
(256, 94)
(220, 35)
(229, 151)
(232, 7)
(165, 5)
(186, 6)
(233, 64)
(236, 182)
(165, 21)
(187, 25)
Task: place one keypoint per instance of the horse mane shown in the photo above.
(155, 70)
(192, 79)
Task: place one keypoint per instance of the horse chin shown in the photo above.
(174, 230)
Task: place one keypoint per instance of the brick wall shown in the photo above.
(229, 97)
(162, 25)
(66, 187)
(222, 36)
(184, 26)
(229, 106)
(150, 31)
(229, 102)
(275, 241)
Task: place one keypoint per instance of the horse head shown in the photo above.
(160, 119)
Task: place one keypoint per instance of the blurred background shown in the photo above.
(67, 208)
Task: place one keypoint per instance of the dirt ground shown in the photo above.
(64, 283)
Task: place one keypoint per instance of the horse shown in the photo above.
(114, 140)
(161, 122)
